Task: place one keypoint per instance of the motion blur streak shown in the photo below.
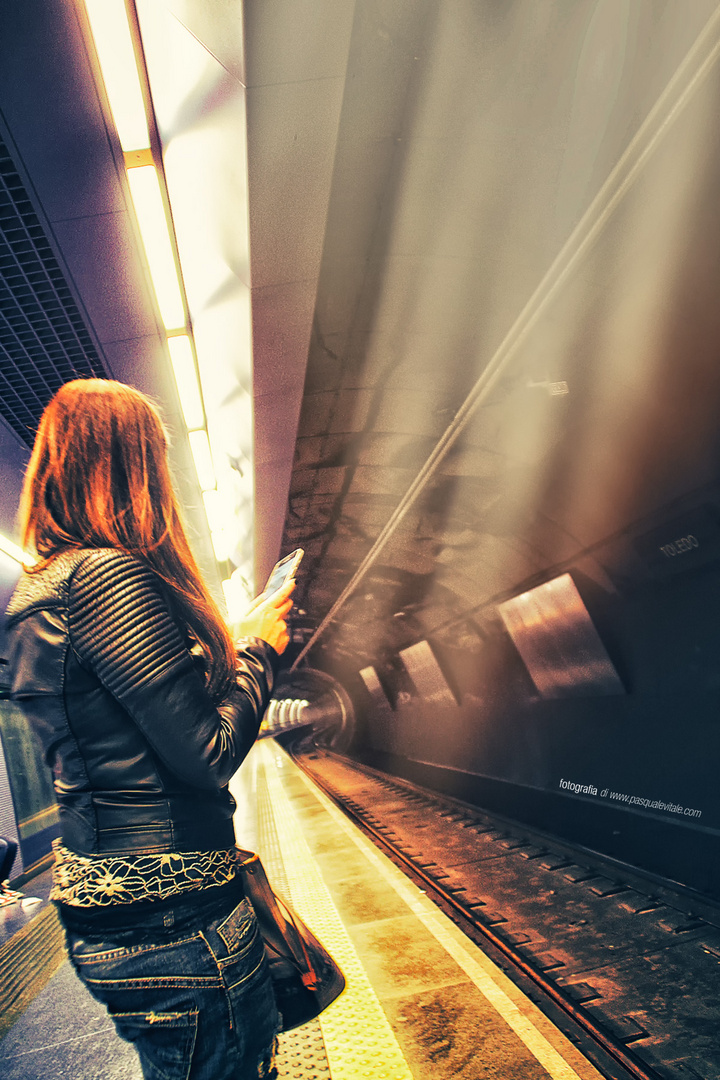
(645, 262)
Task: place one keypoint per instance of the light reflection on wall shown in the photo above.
(374, 686)
(426, 674)
(554, 634)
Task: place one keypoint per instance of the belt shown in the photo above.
(174, 914)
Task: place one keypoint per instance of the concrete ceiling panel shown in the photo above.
(291, 149)
(368, 479)
(329, 352)
(406, 362)
(101, 253)
(395, 451)
(388, 51)
(361, 181)
(143, 362)
(278, 440)
(296, 57)
(270, 511)
(293, 41)
(343, 283)
(317, 482)
(322, 451)
(218, 25)
(282, 318)
(50, 103)
(336, 412)
(261, 43)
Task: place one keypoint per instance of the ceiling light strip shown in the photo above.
(16, 553)
(116, 53)
(186, 377)
(121, 66)
(156, 237)
(202, 456)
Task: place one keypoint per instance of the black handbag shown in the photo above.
(305, 977)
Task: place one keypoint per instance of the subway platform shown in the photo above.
(422, 1001)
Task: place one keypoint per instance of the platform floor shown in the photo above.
(422, 1001)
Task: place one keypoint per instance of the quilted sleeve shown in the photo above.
(122, 629)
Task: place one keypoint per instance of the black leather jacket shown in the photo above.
(140, 753)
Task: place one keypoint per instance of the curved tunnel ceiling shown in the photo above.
(527, 190)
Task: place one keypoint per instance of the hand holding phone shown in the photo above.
(284, 570)
(265, 618)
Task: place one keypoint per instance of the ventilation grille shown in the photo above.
(44, 341)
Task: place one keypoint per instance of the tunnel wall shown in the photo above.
(631, 775)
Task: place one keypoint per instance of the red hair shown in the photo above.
(99, 477)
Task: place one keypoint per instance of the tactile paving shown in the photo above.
(301, 1054)
(359, 1041)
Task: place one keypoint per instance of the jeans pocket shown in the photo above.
(239, 929)
(242, 961)
(240, 953)
(165, 1041)
(154, 995)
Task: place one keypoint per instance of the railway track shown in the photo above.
(626, 967)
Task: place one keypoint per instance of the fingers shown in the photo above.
(266, 615)
(279, 601)
(284, 591)
(255, 603)
(274, 598)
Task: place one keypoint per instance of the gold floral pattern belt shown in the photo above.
(101, 880)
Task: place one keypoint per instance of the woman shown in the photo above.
(145, 708)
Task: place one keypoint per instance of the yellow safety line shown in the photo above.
(550, 1059)
(359, 1041)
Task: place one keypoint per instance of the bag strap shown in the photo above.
(280, 926)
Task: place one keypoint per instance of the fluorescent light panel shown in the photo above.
(222, 542)
(186, 378)
(237, 595)
(202, 457)
(150, 211)
(109, 25)
(216, 510)
(15, 552)
(116, 53)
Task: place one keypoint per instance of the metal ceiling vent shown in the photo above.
(44, 341)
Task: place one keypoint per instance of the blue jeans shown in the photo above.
(189, 987)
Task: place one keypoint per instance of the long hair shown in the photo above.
(99, 477)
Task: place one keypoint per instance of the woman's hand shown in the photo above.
(265, 618)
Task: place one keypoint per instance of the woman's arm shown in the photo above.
(121, 628)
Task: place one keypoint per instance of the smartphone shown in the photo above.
(284, 570)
